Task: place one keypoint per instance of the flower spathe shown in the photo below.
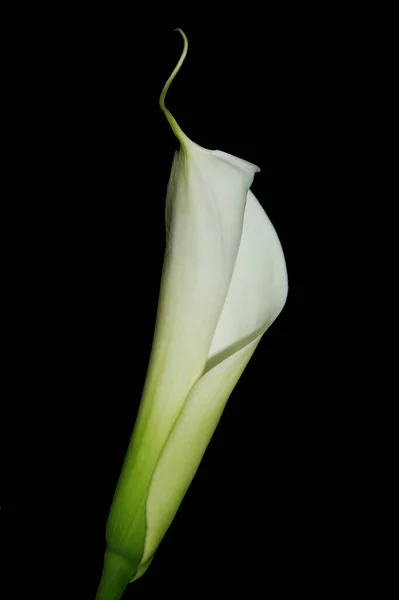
(224, 282)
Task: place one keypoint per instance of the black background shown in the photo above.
(88, 160)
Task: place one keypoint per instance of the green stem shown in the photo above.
(117, 573)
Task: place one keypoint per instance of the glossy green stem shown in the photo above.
(117, 573)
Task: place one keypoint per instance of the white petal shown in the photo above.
(187, 443)
(259, 286)
(256, 295)
(206, 201)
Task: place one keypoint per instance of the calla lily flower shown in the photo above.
(223, 284)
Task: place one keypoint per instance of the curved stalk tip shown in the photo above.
(172, 121)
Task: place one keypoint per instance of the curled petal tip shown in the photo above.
(172, 121)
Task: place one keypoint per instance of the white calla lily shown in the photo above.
(224, 282)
